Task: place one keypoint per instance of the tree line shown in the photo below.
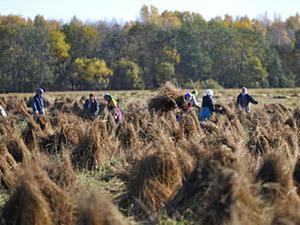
(179, 46)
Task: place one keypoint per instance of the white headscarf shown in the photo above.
(244, 90)
(209, 92)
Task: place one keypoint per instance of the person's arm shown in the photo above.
(34, 106)
(96, 108)
(2, 111)
(85, 105)
(238, 100)
(252, 100)
(195, 102)
(42, 106)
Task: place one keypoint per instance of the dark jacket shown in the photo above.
(38, 104)
(243, 100)
(91, 106)
(208, 103)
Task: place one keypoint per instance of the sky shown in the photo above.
(126, 10)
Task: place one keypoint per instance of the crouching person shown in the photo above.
(91, 107)
(186, 104)
(38, 103)
(208, 106)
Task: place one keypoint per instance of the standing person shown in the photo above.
(244, 99)
(113, 106)
(2, 112)
(91, 106)
(38, 103)
(208, 106)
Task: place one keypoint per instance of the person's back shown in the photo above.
(113, 104)
(207, 102)
(207, 106)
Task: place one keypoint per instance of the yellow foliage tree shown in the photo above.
(92, 70)
(243, 22)
(171, 55)
(60, 46)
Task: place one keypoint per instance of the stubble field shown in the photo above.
(237, 168)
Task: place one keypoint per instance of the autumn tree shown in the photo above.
(158, 46)
(127, 75)
(90, 71)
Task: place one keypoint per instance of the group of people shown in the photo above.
(91, 105)
(208, 107)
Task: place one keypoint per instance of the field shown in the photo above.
(286, 96)
(237, 168)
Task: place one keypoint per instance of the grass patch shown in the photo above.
(103, 178)
(3, 199)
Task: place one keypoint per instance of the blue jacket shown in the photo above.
(91, 106)
(38, 104)
(243, 100)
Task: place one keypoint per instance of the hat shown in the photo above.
(194, 92)
(244, 89)
(107, 96)
(209, 92)
(40, 90)
(187, 96)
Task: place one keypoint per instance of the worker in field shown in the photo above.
(2, 112)
(193, 99)
(244, 99)
(91, 107)
(113, 106)
(189, 101)
(38, 103)
(208, 106)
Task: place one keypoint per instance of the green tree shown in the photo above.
(174, 45)
(28, 55)
(253, 74)
(127, 75)
(82, 38)
(165, 72)
(91, 71)
(195, 62)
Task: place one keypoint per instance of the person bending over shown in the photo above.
(208, 106)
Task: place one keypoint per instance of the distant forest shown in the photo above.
(179, 46)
